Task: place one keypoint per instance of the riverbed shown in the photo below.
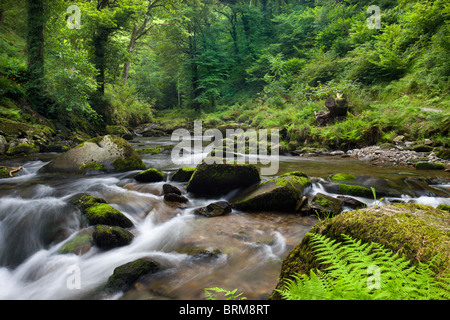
(36, 220)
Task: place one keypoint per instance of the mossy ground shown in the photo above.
(429, 166)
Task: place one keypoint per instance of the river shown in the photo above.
(36, 220)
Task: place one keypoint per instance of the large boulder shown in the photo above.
(183, 174)
(282, 194)
(418, 232)
(107, 153)
(221, 178)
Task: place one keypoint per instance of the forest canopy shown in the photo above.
(122, 61)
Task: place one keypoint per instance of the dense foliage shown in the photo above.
(265, 62)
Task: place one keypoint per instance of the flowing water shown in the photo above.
(36, 220)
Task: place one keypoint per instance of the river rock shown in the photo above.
(108, 237)
(108, 153)
(282, 194)
(351, 202)
(401, 228)
(149, 175)
(168, 188)
(97, 211)
(173, 197)
(324, 205)
(183, 174)
(221, 178)
(127, 274)
(214, 209)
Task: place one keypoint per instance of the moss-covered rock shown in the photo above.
(418, 232)
(183, 174)
(111, 152)
(342, 177)
(22, 149)
(221, 178)
(429, 166)
(444, 154)
(97, 211)
(126, 275)
(103, 213)
(109, 237)
(149, 175)
(282, 194)
(325, 205)
(357, 191)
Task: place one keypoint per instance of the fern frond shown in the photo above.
(345, 274)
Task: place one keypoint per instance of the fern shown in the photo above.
(347, 274)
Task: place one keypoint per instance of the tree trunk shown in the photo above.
(35, 50)
(100, 41)
(126, 67)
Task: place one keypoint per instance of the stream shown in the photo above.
(36, 220)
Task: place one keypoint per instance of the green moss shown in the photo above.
(343, 177)
(183, 174)
(357, 191)
(109, 237)
(103, 213)
(445, 207)
(93, 166)
(149, 175)
(75, 243)
(154, 150)
(294, 173)
(444, 154)
(429, 166)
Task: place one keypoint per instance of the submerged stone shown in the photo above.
(214, 209)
